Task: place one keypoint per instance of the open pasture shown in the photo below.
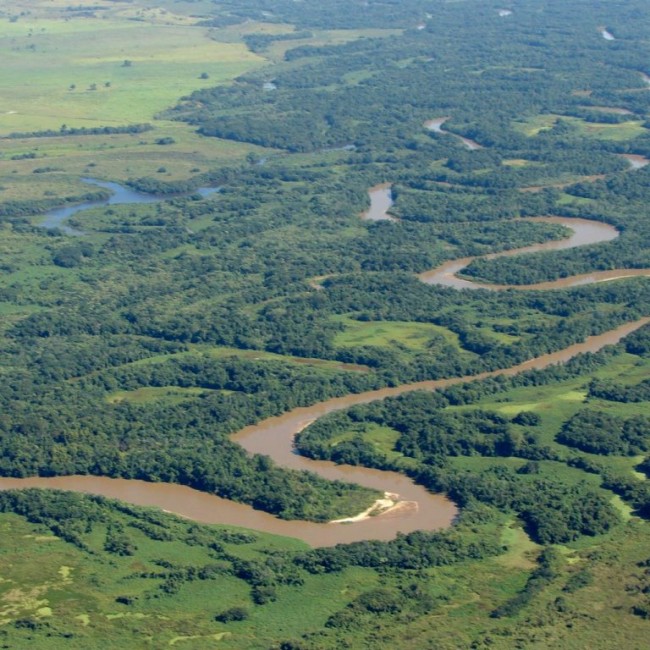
(412, 336)
(106, 72)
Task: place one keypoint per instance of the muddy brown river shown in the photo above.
(381, 199)
(421, 509)
(435, 125)
(585, 232)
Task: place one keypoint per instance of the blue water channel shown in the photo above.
(120, 194)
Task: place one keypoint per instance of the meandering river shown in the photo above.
(274, 437)
(435, 125)
(585, 232)
(418, 509)
(119, 194)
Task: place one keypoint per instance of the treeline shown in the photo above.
(600, 433)
(335, 14)
(65, 131)
(615, 392)
(260, 42)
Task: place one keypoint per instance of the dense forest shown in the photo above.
(137, 337)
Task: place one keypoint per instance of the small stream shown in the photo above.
(119, 195)
(435, 125)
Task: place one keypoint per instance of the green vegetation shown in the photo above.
(404, 337)
(77, 72)
(138, 345)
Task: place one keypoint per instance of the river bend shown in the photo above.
(584, 232)
(274, 437)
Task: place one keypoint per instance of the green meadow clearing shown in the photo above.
(408, 336)
(622, 131)
(89, 72)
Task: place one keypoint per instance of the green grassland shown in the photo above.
(617, 132)
(117, 157)
(56, 595)
(405, 336)
(626, 130)
(151, 394)
(535, 124)
(148, 67)
(117, 67)
(62, 587)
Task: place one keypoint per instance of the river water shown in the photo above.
(274, 437)
(381, 199)
(119, 194)
(435, 125)
(585, 232)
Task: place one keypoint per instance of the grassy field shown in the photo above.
(63, 587)
(412, 336)
(80, 594)
(601, 130)
(170, 394)
(89, 72)
(111, 66)
(117, 157)
(54, 595)
(534, 125)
